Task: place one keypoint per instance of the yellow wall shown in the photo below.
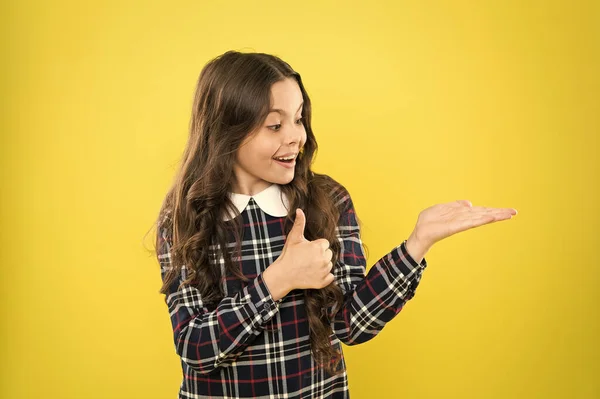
(415, 103)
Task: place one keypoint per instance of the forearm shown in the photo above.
(376, 298)
(372, 299)
(206, 340)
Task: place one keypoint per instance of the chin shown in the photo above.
(285, 180)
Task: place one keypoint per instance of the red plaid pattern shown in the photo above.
(251, 346)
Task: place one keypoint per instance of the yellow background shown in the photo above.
(415, 103)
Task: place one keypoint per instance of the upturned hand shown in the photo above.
(444, 220)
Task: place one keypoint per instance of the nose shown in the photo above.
(294, 135)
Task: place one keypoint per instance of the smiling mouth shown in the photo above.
(289, 159)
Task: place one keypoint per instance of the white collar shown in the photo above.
(271, 200)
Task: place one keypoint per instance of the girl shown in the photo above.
(261, 259)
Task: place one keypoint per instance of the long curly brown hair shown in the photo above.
(232, 98)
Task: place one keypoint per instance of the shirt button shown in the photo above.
(267, 306)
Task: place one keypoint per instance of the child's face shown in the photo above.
(282, 134)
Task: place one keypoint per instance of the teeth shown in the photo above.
(286, 158)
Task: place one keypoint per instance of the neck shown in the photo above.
(250, 188)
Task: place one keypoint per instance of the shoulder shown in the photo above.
(164, 225)
(338, 193)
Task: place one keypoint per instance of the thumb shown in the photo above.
(297, 232)
(465, 203)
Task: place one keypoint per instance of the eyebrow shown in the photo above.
(282, 111)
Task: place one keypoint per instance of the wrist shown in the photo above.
(276, 281)
(416, 247)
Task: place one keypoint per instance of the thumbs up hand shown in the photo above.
(302, 263)
(308, 263)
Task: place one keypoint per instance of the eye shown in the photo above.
(278, 126)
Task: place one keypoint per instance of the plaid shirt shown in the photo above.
(251, 346)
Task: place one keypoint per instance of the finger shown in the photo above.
(482, 219)
(511, 211)
(328, 254)
(297, 232)
(329, 266)
(328, 280)
(465, 224)
(469, 221)
(465, 203)
(496, 212)
(322, 243)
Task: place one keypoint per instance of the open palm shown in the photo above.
(443, 220)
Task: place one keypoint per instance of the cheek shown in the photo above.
(262, 154)
(248, 155)
(257, 150)
(267, 148)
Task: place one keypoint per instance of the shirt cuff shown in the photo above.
(410, 259)
(409, 268)
(261, 300)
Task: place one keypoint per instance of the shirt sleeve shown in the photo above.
(206, 340)
(373, 300)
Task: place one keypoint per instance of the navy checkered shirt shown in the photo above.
(251, 346)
